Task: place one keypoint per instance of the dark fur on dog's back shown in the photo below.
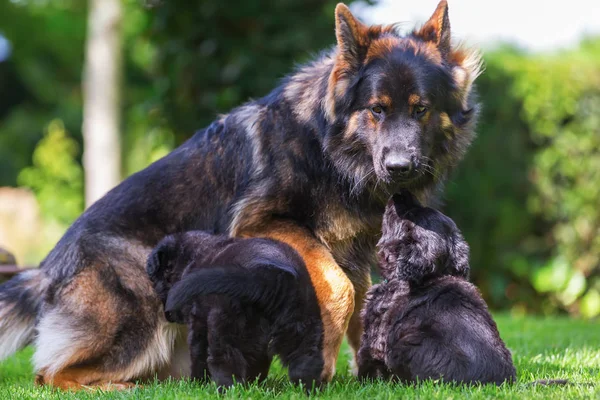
(239, 297)
(423, 322)
(251, 265)
(264, 288)
(257, 271)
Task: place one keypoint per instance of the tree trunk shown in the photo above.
(102, 100)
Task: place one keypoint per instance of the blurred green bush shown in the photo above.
(528, 194)
(56, 177)
(215, 56)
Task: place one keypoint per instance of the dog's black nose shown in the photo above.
(398, 165)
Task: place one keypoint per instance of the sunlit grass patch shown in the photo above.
(543, 348)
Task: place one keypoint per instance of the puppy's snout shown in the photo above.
(169, 316)
(404, 200)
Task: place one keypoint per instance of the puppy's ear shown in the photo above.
(417, 263)
(154, 262)
(459, 256)
(159, 259)
(387, 258)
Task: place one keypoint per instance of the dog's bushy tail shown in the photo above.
(265, 286)
(20, 300)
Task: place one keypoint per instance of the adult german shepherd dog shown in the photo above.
(311, 164)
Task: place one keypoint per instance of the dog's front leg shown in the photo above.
(355, 326)
(335, 292)
(356, 260)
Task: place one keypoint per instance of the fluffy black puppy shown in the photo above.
(426, 321)
(243, 300)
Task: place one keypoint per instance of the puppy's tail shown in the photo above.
(20, 300)
(266, 286)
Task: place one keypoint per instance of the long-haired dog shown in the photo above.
(312, 164)
(426, 321)
(243, 300)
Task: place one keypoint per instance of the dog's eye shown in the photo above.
(420, 111)
(377, 110)
(390, 258)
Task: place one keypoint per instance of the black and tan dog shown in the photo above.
(426, 321)
(311, 164)
(243, 300)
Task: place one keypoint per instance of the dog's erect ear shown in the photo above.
(353, 41)
(352, 36)
(437, 29)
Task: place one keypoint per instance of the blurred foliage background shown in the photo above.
(526, 196)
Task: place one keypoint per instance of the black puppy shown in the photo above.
(426, 321)
(243, 300)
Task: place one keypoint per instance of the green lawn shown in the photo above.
(543, 348)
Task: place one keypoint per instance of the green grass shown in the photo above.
(543, 348)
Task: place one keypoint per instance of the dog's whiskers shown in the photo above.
(357, 185)
(429, 167)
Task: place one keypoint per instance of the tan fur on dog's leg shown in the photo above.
(334, 290)
(82, 378)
